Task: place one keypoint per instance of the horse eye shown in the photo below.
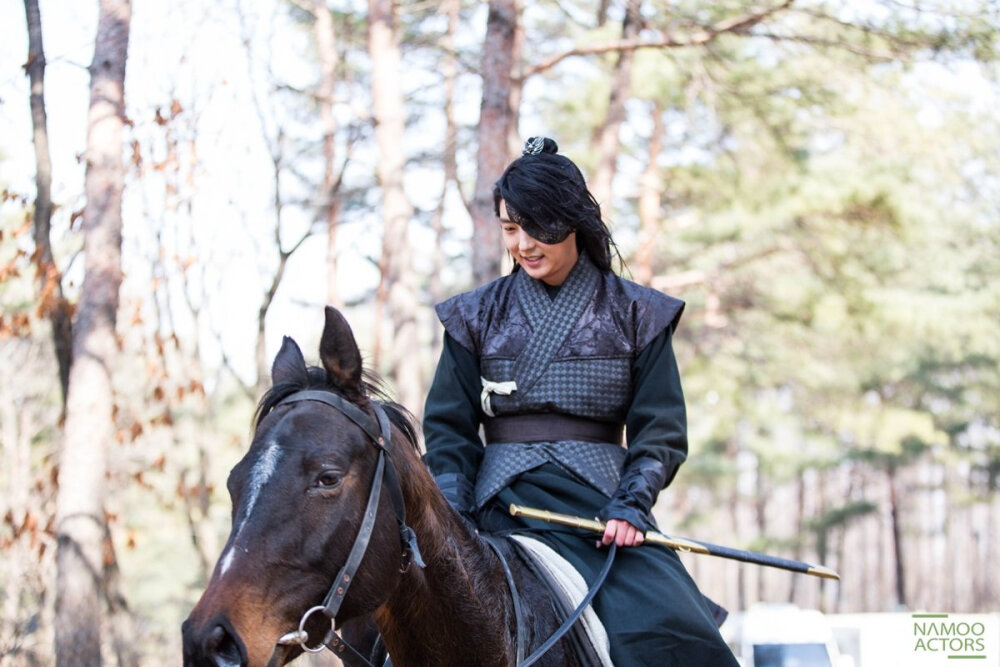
(328, 479)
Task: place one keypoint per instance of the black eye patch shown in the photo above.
(549, 233)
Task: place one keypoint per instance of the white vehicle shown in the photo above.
(783, 636)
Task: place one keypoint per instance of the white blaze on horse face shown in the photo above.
(262, 471)
(227, 560)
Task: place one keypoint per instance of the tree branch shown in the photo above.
(829, 43)
(735, 24)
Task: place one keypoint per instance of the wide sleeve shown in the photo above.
(656, 423)
(452, 414)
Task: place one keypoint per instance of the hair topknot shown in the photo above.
(536, 145)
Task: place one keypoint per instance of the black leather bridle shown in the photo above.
(381, 438)
(385, 471)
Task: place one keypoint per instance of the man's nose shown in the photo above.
(524, 240)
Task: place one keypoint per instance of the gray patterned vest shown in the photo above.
(571, 354)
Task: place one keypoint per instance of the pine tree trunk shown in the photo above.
(515, 143)
(733, 448)
(326, 42)
(650, 201)
(897, 537)
(987, 593)
(822, 535)
(800, 514)
(51, 299)
(449, 69)
(741, 570)
(89, 420)
(495, 118)
(398, 277)
(761, 495)
(605, 141)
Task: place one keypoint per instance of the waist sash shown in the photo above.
(550, 428)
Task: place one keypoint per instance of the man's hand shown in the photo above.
(621, 533)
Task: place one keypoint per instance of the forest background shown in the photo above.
(818, 180)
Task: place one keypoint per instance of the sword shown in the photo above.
(681, 543)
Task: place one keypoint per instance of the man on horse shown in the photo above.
(555, 362)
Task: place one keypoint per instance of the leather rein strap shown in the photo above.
(574, 616)
(381, 438)
(580, 608)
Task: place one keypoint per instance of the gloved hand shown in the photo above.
(458, 491)
(636, 493)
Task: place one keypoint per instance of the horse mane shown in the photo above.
(316, 378)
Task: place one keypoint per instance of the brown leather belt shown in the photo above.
(550, 428)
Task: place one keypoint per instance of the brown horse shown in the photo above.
(298, 498)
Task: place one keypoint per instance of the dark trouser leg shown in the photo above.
(655, 615)
(653, 611)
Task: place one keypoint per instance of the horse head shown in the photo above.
(298, 500)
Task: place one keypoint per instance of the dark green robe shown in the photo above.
(652, 610)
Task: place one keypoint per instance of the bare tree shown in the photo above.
(81, 524)
(449, 71)
(27, 417)
(274, 136)
(326, 43)
(397, 279)
(51, 302)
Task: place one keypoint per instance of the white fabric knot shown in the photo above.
(491, 387)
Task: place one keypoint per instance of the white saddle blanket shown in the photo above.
(574, 588)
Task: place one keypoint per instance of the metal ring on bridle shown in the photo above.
(302, 631)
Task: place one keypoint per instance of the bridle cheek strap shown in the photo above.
(382, 440)
(333, 600)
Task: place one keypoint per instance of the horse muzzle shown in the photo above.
(213, 644)
(217, 644)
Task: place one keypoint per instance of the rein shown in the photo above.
(574, 616)
(381, 439)
(580, 608)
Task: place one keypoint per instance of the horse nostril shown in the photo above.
(223, 649)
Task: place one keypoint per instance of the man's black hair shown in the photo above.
(545, 193)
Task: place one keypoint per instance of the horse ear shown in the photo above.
(289, 366)
(340, 355)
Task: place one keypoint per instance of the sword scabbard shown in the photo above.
(680, 543)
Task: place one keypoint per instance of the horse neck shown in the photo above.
(457, 609)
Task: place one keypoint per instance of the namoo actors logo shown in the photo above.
(939, 639)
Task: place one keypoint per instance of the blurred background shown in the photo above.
(818, 180)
